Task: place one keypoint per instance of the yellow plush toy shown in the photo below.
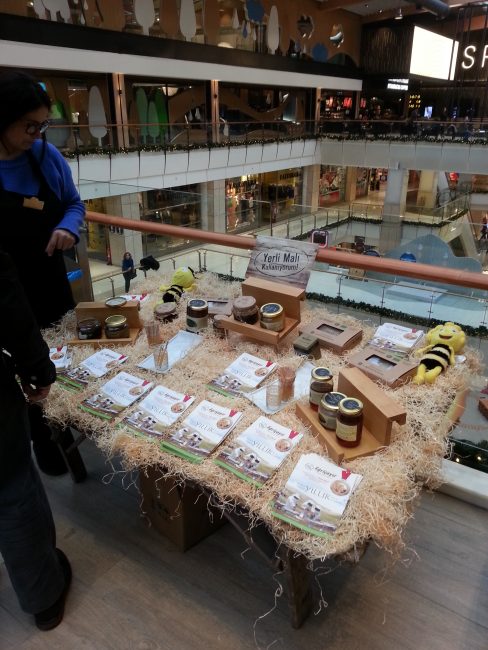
(444, 342)
(183, 280)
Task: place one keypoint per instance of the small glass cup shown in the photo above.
(153, 333)
(273, 396)
(161, 360)
(287, 383)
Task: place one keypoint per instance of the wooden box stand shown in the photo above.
(266, 291)
(100, 311)
(178, 511)
(380, 411)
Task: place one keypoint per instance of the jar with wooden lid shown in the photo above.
(272, 316)
(329, 408)
(196, 315)
(349, 428)
(245, 310)
(321, 382)
(165, 312)
(89, 328)
(116, 327)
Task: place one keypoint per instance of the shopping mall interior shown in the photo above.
(361, 126)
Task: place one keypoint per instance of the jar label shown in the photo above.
(328, 421)
(316, 396)
(348, 432)
(196, 324)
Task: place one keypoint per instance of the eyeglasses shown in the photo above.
(32, 128)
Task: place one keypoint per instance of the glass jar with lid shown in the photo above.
(89, 328)
(116, 327)
(245, 310)
(329, 408)
(272, 316)
(196, 315)
(321, 382)
(349, 426)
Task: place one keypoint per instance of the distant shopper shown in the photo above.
(484, 227)
(40, 573)
(41, 217)
(128, 270)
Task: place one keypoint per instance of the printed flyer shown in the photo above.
(202, 431)
(396, 338)
(242, 376)
(157, 411)
(316, 495)
(116, 395)
(94, 367)
(61, 357)
(259, 450)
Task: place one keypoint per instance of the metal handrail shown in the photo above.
(379, 265)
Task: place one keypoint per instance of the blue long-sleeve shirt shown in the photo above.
(18, 176)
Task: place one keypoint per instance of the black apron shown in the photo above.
(26, 225)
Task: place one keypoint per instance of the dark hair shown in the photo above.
(19, 94)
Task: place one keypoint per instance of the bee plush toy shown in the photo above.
(183, 280)
(444, 342)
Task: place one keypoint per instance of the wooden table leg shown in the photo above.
(297, 585)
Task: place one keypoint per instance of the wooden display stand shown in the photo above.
(266, 291)
(384, 366)
(100, 311)
(380, 411)
(334, 335)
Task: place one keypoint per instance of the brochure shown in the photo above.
(396, 338)
(157, 411)
(202, 431)
(316, 495)
(94, 367)
(259, 450)
(178, 347)
(243, 375)
(61, 357)
(139, 297)
(116, 395)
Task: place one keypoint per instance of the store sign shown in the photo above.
(471, 53)
(397, 84)
(282, 260)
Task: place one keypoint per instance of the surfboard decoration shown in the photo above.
(55, 6)
(97, 121)
(273, 30)
(162, 112)
(235, 19)
(188, 20)
(144, 14)
(152, 118)
(141, 103)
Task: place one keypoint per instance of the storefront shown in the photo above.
(332, 185)
(242, 202)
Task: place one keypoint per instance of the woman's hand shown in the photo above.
(60, 240)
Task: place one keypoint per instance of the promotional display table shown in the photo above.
(377, 511)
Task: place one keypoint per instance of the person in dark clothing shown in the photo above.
(40, 573)
(128, 270)
(41, 216)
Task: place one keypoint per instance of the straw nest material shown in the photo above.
(383, 502)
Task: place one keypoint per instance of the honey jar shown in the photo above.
(245, 310)
(321, 382)
(165, 312)
(196, 315)
(116, 327)
(329, 408)
(349, 426)
(272, 316)
(89, 328)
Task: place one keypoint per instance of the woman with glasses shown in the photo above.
(40, 217)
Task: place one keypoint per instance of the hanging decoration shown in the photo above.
(188, 20)
(273, 30)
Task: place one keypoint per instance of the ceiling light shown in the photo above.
(398, 14)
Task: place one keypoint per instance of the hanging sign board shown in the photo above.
(282, 260)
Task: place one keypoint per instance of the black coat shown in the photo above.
(24, 355)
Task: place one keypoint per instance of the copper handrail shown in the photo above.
(379, 265)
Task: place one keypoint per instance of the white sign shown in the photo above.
(282, 260)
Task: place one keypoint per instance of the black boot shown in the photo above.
(49, 459)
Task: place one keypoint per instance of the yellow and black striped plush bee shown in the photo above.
(445, 341)
(183, 280)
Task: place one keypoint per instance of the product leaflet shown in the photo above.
(96, 366)
(259, 450)
(117, 394)
(316, 495)
(157, 411)
(243, 375)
